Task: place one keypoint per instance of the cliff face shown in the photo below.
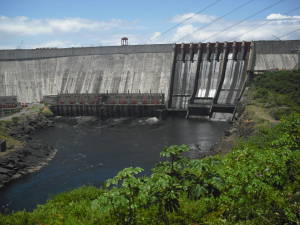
(31, 79)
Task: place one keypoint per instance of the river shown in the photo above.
(90, 152)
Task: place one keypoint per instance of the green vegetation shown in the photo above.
(12, 143)
(258, 182)
(277, 92)
(46, 111)
(14, 119)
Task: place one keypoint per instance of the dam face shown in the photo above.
(31, 74)
(185, 72)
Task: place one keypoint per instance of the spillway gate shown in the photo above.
(208, 77)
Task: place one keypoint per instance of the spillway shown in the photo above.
(184, 73)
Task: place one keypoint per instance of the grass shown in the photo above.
(271, 96)
(11, 143)
(46, 111)
(276, 94)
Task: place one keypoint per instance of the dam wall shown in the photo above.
(182, 72)
(41, 53)
(276, 55)
(35, 73)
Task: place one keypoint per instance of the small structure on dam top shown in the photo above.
(107, 105)
(124, 41)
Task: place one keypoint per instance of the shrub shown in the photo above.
(47, 112)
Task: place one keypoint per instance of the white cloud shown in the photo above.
(72, 32)
(193, 18)
(185, 30)
(155, 36)
(275, 25)
(115, 39)
(25, 26)
(278, 16)
(54, 44)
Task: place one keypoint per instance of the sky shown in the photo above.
(75, 23)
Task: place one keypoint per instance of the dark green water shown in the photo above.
(89, 154)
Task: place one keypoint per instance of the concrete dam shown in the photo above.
(197, 78)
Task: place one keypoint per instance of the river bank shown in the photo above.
(24, 154)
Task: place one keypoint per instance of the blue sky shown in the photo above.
(66, 23)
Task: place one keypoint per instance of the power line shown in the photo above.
(245, 19)
(288, 34)
(187, 19)
(276, 37)
(292, 10)
(221, 17)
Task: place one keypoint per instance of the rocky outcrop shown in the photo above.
(26, 160)
(22, 127)
(33, 156)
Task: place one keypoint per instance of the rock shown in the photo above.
(200, 150)
(36, 146)
(233, 130)
(17, 175)
(32, 156)
(13, 157)
(10, 166)
(26, 152)
(4, 171)
(152, 120)
(4, 178)
(227, 133)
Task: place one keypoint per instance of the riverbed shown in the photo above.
(90, 151)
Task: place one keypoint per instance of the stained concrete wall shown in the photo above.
(209, 77)
(282, 55)
(94, 70)
(32, 73)
(40, 53)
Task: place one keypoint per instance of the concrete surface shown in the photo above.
(40, 53)
(32, 73)
(31, 79)
(282, 55)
